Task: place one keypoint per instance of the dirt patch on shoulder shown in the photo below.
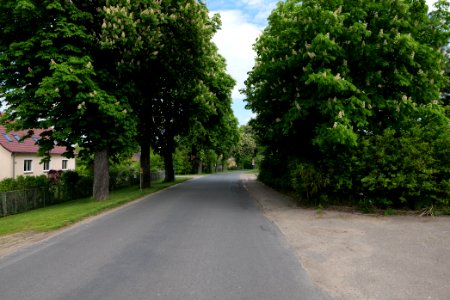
(355, 256)
(13, 242)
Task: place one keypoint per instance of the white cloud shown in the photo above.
(241, 25)
(235, 42)
(254, 2)
(430, 4)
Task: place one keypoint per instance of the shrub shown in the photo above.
(69, 185)
(403, 167)
(308, 182)
(23, 182)
(275, 172)
(409, 166)
(123, 175)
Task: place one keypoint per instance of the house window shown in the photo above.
(64, 164)
(46, 166)
(27, 165)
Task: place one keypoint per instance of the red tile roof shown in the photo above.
(11, 144)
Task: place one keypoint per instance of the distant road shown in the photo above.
(203, 239)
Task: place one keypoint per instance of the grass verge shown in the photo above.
(60, 215)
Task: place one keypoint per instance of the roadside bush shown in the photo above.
(76, 185)
(23, 182)
(409, 166)
(123, 175)
(355, 99)
(403, 167)
(156, 161)
(275, 172)
(308, 182)
(69, 185)
(182, 160)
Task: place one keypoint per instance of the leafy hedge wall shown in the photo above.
(349, 101)
(404, 168)
(23, 182)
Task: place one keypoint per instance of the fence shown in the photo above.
(158, 175)
(125, 179)
(14, 202)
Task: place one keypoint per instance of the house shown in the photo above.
(21, 158)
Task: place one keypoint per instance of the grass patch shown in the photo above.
(60, 215)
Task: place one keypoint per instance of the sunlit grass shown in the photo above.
(60, 215)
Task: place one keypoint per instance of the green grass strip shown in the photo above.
(60, 215)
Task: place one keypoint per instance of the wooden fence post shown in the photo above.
(5, 211)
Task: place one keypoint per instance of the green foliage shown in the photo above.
(23, 182)
(71, 185)
(182, 160)
(54, 76)
(84, 166)
(349, 92)
(213, 126)
(76, 186)
(245, 151)
(275, 172)
(173, 72)
(389, 212)
(108, 75)
(446, 89)
(156, 161)
(410, 167)
(308, 182)
(123, 174)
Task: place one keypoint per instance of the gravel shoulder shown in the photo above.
(356, 256)
(14, 242)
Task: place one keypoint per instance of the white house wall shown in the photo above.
(6, 167)
(37, 167)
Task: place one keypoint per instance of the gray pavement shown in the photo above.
(203, 239)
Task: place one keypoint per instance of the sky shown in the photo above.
(242, 22)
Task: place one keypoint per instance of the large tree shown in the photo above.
(213, 126)
(185, 64)
(131, 35)
(54, 75)
(332, 75)
(161, 50)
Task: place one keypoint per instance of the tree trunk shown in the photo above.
(168, 165)
(217, 164)
(200, 167)
(194, 160)
(101, 175)
(223, 164)
(168, 160)
(145, 171)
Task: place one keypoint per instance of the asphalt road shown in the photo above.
(203, 239)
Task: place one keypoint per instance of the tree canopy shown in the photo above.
(54, 76)
(109, 75)
(332, 77)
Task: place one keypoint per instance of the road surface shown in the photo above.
(203, 239)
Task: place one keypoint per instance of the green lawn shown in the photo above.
(60, 215)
